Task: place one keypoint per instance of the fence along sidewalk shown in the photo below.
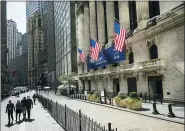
(71, 120)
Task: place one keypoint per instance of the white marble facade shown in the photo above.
(168, 36)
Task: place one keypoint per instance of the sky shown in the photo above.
(17, 12)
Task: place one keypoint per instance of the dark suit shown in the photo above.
(24, 108)
(10, 108)
(29, 105)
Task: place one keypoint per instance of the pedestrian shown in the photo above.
(34, 98)
(10, 108)
(29, 105)
(18, 107)
(23, 102)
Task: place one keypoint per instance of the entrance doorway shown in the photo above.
(116, 87)
(132, 85)
(83, 87)
(155, 87)
(89, 82)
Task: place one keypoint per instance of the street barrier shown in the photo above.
(71, 120)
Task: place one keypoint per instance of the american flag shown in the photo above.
(82, 55)
(120, 35)
(94, 49)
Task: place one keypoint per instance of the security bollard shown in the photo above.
(109, 127)
(155, 109)
(110, 101)
(145, 97)
(170, 114)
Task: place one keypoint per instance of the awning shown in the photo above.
(47, 87)
(60, 87)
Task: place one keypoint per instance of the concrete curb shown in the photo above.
(131, 111)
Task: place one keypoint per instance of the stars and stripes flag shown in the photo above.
(94, 49)
(120, 35)
(82, 55)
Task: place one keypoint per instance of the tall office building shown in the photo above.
(18, 50)
(24, 69)
(32, 7)
(11, 39)
(65, 38)
(22, 61)
(35, 48)
(4, 68)
(49, 39)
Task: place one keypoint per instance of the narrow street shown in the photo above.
(122, 120)
(41, 119)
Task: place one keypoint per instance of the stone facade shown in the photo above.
(35, 47)
(157, 44)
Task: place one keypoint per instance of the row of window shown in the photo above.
(62, 52)
(64, 65)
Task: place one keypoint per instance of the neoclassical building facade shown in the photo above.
(154, 47)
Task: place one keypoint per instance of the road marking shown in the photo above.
(22, 127)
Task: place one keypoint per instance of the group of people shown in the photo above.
(22, 106)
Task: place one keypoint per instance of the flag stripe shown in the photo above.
(119, 38)
(82, 55)
(94, 49)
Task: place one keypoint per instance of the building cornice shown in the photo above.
(165, 21)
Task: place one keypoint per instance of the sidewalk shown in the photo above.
(41, 119)
(178, 110)
(120, 119)
(148, 108)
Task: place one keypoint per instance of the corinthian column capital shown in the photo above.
(142, 8)
(80, 10)
(86, 4)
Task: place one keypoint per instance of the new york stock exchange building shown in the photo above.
(152, 61)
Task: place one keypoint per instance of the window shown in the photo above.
(131, 58)
(133, 15)
(153, 52)
(68, 38)
(105, 20)
(116, 10)
(153, 8)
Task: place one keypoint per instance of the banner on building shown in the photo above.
(114, 56)
(107, 56)
(99, 63)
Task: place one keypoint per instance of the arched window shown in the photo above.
(153, 52)
(131, 58)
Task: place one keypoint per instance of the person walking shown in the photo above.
(18, 107)
(29, 105)
(23, 102)
(9, 109)
(34, 98)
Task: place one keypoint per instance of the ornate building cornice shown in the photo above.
(79, 9)
(86, 4)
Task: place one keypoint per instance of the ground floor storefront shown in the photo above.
(151, 84)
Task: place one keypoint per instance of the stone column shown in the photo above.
(101, 22)
(80, 23)
(86, 44)
(110, 86)
(123, 84)
(93, 25)
(142, 13)
(100, 84)
(81, 29)
(110, 20)
(124, 17)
